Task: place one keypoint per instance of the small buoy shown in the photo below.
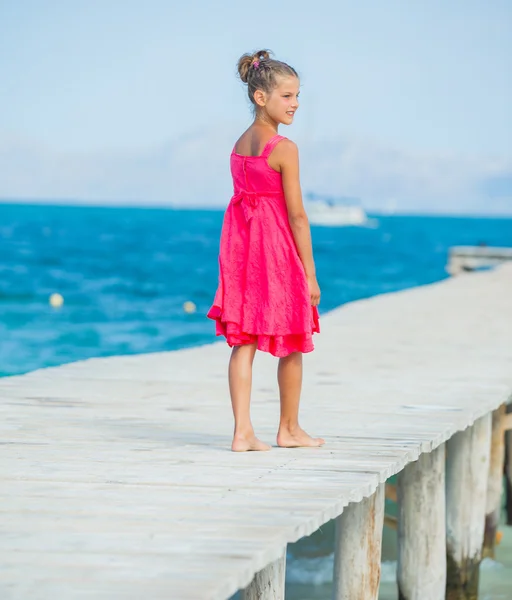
(189, 307)
(499, 537)
(56, 300)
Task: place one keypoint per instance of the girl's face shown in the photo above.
(283, 102)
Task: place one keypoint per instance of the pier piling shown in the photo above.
(495, 481)
(508, 467)
(422, 528)
(268, 584)
(467, 468)
(357, 549)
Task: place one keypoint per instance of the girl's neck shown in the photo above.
(263, 120)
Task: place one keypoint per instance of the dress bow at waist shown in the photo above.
(250, 200)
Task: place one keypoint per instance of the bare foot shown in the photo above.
(297, 438)
(243, 443)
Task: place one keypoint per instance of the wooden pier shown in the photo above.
(116, 479)
(473, 258)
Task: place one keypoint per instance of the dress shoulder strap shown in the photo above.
(271, 144)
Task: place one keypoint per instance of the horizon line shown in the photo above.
(109, 204)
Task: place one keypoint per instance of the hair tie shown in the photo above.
(256, 64)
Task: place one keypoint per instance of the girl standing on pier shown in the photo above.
(268, 292)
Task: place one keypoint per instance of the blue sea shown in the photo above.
(125, 274)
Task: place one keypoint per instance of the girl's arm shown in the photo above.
(287, 156)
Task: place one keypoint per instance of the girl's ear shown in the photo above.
(260, 98)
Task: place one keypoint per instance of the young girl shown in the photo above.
(268, 293)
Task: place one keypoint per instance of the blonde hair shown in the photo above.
(260, 72)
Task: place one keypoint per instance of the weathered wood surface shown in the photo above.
(421, 571)
(495, 481)
(116, 479)
(508, 469)
(268, 584)
(357, 549)
(467, 472)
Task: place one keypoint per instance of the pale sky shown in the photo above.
(121, 101)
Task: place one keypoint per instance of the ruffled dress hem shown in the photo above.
(277, 345)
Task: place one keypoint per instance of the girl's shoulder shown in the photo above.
(284, 143)
(253, 143)
(282, 153)
(284, 147)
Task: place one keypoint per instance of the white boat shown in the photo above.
(335, 211)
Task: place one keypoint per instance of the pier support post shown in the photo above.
(467, 468)
(357, 549)
(495, 481)
(268, 584)
(422, 528)
(508, 468)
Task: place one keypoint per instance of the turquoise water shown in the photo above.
(125, 274)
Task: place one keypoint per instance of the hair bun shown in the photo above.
(247, 61)
(261, 55)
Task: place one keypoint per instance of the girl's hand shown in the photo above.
(314, 291)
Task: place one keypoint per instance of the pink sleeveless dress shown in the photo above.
(262, 294)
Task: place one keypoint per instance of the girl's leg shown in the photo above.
(289, 377)
(240, 383)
